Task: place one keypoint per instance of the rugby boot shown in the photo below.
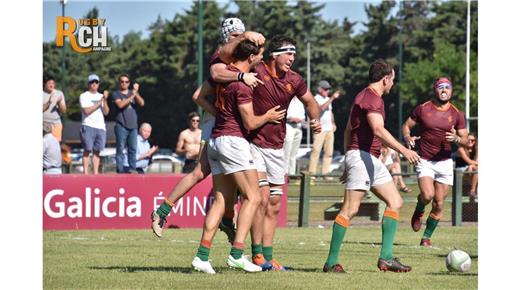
(278, 267)
(157, 223)
(334, 269)
(393, 265)
(425, 242)
(229, 230)
(259, 260)
(416, 220)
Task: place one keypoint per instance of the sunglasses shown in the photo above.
(472, 140)
(443, 86)
(195, 120)
(94, 82)
(124, 82)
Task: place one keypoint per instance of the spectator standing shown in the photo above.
(53, 105)
(144, 152)
(293, 135)
(188, 144)
(325, 139)
(51, 151)
(126, 102)
(93, 133)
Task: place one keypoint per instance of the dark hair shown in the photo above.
(123, 75)
(246, 48)
(378, 70)
(193, 114)
(278, 41)
(48, 78)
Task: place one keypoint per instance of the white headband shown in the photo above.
(284, 49)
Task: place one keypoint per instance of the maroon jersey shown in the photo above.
(228, 121)
(362, 137)
(434, 123)
(215, 58)
(276, 91)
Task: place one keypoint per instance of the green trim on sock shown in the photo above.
(256, 249)
(268, 253)
(203, 253)
(431, 224)
(338, 233)
(389, 228)
(236, 253)
(164, 210)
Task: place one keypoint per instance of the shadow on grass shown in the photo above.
(133, 269)
(371, 243)
(473, 257)
(452, 274)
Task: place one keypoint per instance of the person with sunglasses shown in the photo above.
(441, 124)
(188, 143)
(325, 139)
(93, 132)
(126, 101)
(467, 160)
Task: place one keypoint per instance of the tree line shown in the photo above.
(433, 37)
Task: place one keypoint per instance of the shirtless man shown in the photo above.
(188, 144)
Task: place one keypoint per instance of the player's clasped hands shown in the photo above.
(275, 116)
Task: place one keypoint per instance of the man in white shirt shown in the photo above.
(93, 133)
(293, 134)
(324, 139)
(51, 151)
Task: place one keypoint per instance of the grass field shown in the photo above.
(135, 259)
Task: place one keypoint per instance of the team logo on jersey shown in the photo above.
(85, 34)
(288, 87)
(266, 78)
(450, 119)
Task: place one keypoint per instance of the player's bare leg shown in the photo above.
(201, 171)
(270, 223)
(222, 186)
(440, 194)
(424, 198)
(388, 193)
(257, 228)
(247, 182)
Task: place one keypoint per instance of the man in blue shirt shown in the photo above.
(126, 102)
(144, 151)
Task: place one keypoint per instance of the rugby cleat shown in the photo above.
(229, 230)
(243, 264)
(333, 269)
(276, 266)
(425, 242)
(202, 266)
(157, 223)
(393, 265)
(416, 221)
(259, 260)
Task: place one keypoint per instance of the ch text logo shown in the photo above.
(85, 34)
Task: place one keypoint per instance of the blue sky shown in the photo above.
(125, 16)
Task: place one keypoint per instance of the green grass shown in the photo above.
(135, 259)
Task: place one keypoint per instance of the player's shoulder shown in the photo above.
(454, 108)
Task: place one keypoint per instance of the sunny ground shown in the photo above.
(136, 259)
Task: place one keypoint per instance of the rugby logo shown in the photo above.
(92, 34)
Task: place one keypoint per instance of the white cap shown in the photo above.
(93, 77)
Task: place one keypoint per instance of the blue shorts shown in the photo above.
(92, 139)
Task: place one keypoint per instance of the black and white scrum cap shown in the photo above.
(230, 25)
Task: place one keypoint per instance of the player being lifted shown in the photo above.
(232, 165)
(441, 124)
(230, 29)
(281, 84)
(364, 170)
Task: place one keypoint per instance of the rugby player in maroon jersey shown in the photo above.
(281, 84)
(441, 124)
(364, 171)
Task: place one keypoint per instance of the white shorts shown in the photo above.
(364, 171)
(206, 125)
(229, 154)
(440, 171)
(270, 161)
